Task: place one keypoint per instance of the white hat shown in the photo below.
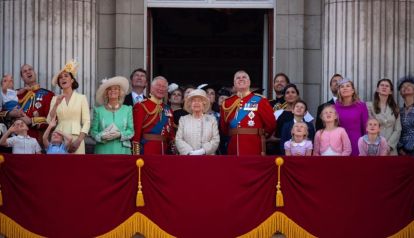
(202, 86)
(172, 87)
(197, 93)
(106, 83)
(70, 67)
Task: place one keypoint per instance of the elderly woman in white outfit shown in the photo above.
(197, 132)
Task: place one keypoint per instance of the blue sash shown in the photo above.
(157, 129)
(242, 113)
(37, 96)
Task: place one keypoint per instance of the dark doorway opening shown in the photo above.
(196, 46)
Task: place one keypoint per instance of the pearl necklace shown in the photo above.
(113, 108)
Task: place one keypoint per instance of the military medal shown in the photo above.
(251, 107)
(38, 105)
(251, 116)
(167, 113)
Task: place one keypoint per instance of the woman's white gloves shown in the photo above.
(111, 132)
(198, 152)
(111, 135)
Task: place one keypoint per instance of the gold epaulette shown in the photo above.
(260, 95)
(157, 110)
(232, 106)
(228, 110)
(27, 97)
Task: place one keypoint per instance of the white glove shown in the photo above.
(198, 152)
(111, 135)
(115, 134)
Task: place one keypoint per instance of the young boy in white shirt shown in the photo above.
(21, 142)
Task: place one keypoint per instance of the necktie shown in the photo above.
(138, 99)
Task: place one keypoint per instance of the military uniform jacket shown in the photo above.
(155, 119)
(36, 104)
(251, 111)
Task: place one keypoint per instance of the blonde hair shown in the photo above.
(375, 119)
(355, 97)
(303, 123)
(336, 123)
(121, 97)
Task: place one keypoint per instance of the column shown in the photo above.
(367, 41)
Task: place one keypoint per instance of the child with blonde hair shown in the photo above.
(59, 141)
(299, 145)
(300, 108)
(372, 144)
(332, 139)
(10, 99)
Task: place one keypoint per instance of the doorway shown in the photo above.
(195, 46)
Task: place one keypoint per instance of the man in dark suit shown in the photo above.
(333, 84)
(138, 84)
(279, 83)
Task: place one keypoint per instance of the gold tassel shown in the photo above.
(140, 199)
(279, 198)
(1, 196)
(279, 195)
(140, 196)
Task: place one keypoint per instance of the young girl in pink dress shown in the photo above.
(372, 144)
(299, 145)
(331, 140)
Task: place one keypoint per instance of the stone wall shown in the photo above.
(298, 46)
(121, 30)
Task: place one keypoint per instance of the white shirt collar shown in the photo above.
(21, 136)
(134, 94)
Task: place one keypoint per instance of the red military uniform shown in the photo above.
(246, 120)
(153, 125)
(36, 104)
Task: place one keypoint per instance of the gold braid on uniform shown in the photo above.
(136, 148)
(156, 110)
(230, 109)
(29, 95)
(279, 106)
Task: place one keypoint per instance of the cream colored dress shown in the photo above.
(194, 134)
(73, 117)
(390, 126)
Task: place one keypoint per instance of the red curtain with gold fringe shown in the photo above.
(205, 196)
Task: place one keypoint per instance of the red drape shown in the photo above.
(208, 196)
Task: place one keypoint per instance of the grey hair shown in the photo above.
(242, 71)
(158, 78)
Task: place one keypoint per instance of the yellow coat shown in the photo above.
(73, 117)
